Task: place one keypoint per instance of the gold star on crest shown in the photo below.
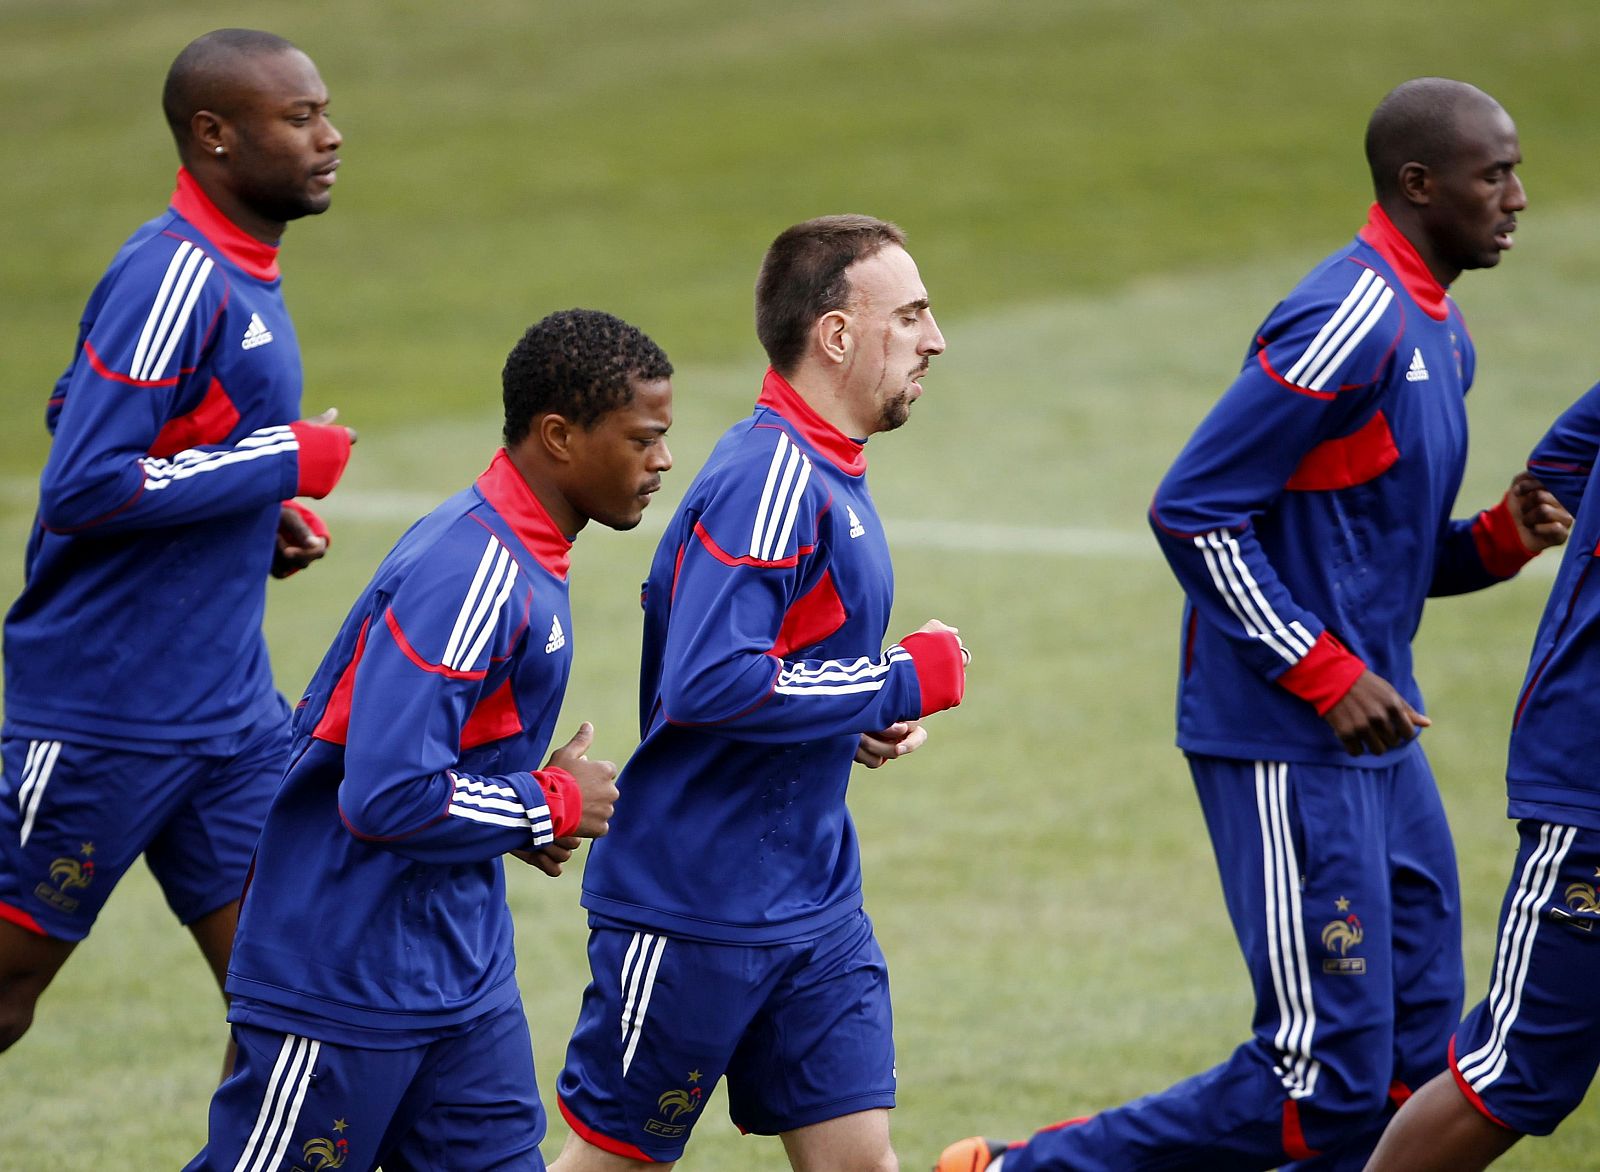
(86, 849)
(1342, 904)
(339, 1125)
(694, 1076)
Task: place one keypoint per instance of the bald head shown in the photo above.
(1419, 121)
(211, 74)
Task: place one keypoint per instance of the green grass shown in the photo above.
(1104, 198)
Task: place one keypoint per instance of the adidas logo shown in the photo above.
(856, 527)
(558, 637)
(256, 334)
(1418, 372)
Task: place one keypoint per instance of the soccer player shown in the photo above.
(140, 712)
(1308, 519)
(727, 932)
(373, 984)
(1522, 1060)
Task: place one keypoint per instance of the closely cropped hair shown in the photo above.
(202, 75)
(576, 364)
(803, 277)
(1416, 123)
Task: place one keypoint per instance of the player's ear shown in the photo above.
(207, 132)
(554, 433)
(1416, 183)
(832, 333)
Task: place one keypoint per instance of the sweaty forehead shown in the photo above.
(885, 280)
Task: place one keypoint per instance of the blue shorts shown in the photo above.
(74, 817)
(803, 1032)
(1526, 1056)
(465, 1101)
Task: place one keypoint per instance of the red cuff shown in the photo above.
(941, 673)
(1500, 547)
(1326, 673)
(562, 795)
(324, 451)
(318, 527)
(282, 567)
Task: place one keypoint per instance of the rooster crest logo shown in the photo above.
(69, 873)
(675, 1104)
(321, 1153)
(1342, 935)
(1581, 897)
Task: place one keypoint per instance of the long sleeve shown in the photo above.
(425, 662)
(1564, 457)
(748, 577)
(1302, 416)
(138, 373)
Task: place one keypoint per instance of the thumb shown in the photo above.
(582, 739)
(327, 416)
(1417, 718)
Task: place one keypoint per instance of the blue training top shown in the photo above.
(763, 661)
(376, 911)
(175, 442)
(1308, 517)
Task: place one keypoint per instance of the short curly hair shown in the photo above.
(577, 364)
(803, 277)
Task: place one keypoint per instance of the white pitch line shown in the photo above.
(404, 505)
(957, 536)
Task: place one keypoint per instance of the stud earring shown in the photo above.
(220, 151)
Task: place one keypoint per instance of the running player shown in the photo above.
(1308, 519)
(141, 715)
(727, 932)
(373, 984)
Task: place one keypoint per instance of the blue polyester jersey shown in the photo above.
(765, 613)
(376, 911)
(1555, 741)
(145, 586)
(1308, 518)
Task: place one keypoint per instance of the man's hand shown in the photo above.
(328, 417)
(1373, 717)
(934, 626)
(597, 782)
(298, 543)
(1541, 520)
(550, 857)
(900, 738)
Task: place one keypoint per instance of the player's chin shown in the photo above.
(623, 521)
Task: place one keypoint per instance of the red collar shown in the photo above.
(189, 201)
(504, 488)
(848, 455)
(1380, 232)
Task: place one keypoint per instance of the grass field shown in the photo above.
(1104, 198)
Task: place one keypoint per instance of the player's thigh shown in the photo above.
(822, 1046)
(72, 820)
(1301, 854)
(201, 854)
(473, 1105)
(293, 1101)
(849, 1143)
(659, 1023)
(1527, 1054)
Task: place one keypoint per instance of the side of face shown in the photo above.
(616, 465)
(282, 148)
(891, 336)
(1475, 196)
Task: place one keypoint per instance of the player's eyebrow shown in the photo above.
(916, 306)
